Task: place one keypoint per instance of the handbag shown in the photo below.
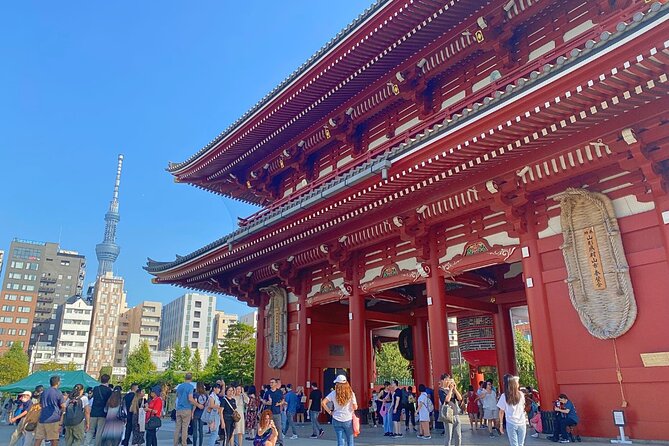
(356, 425)
(141, 419)
(446, 413)
(236, 416)
(153, 423)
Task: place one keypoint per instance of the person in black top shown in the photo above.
(273, 401)
(314, 406)
(101, 394)
(228, 406)
(127, 402)
(397, 408)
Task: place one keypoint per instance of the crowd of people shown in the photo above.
(511, 411)
(227, 414)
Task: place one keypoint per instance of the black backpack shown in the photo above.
(122, 413)
(74, 413)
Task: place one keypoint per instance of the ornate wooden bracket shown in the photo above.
(414, 230)
(646, 155)
(339, 256)
(289, 275)
(509, 196)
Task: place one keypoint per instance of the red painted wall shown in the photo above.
(586, 368)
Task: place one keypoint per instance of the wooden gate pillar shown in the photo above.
(421, 352)
(303, 335)
(540, 321)
(436, 315)
(504, 346)
(259, 377)
(357, 337)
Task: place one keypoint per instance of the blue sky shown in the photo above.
(83, 81)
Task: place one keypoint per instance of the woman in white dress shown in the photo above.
(242, 399)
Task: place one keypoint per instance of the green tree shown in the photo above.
(525, 360)
(105, 370)
(13, 364)
(390, 364)
(213, 361)
(176, 358)
(53, 365)
(185, 364)
(139, 360)
(238, 352)
(196, 361)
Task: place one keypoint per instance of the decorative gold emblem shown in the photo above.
(478, 35)
(396, 89)
(327, 132)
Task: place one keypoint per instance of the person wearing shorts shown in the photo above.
(50, 418)
(490, 411)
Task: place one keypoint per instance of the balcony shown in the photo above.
(45, 299)
(44, 289)
(47, 280)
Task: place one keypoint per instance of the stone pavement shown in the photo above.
(369, 436)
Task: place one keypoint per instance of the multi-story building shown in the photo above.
(189, 321)
(2, 258)
(73, 322)
(108, 303)
(250, 319)
(143, 321)
(39, 278)
(222, 323)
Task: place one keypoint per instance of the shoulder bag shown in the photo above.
(236, 416)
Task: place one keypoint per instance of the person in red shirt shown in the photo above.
(154, 408)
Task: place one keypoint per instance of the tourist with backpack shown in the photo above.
(77, 418)
(409, 398)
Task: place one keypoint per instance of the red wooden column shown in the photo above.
(303, 334)
(504, 348)
(421, 352)
(357, 345)
(259, 377)
(436, 317)
(369, 357)
(540, 321)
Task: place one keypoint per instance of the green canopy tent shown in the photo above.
(68, 379)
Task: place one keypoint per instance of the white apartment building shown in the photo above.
(108, 303)
(73, 332)
(188, 321)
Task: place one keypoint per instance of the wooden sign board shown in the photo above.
(659, 359)
(594, 258)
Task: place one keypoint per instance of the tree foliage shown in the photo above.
(237, 356)
(139, 360)
(105, 370)
(53, 366)
(186, 360)
(213, 360)
(176, 358)
(390, 364)
(525, 360)
(196, 361)
(13, 364)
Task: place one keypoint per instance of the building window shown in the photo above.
(7, 319)
(197, 314)
(26, 298)
(198, 304)
(193, 345)
(8, 308)
(195, 335)
(24, 309)
(22, 320)
(10, 296)
(27, 253)
(18, 265)
(196, 324)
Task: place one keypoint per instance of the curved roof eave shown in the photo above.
(174, 168)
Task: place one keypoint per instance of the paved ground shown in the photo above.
(369, 436)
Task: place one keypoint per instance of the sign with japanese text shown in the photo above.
(594, 259)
